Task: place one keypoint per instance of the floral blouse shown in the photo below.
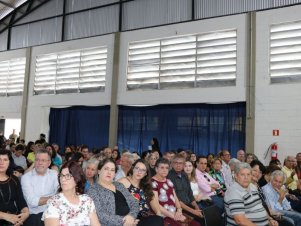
(138, 194)
(69, 214)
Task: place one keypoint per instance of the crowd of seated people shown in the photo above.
(43, 185)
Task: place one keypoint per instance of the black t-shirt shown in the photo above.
(122, 208)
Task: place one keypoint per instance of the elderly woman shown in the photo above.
(218, 175)
(91, 173)
(70, 206)
(115, 206)
(13, 207)
(169, 203)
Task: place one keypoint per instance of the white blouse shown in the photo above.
(69, 214)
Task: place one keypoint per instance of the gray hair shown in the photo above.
(278, 173)
(233, 161)
(43, 151)
(241, 165)
(93, 161)
(130, 156)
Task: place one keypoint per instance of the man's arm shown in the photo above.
(43, 200)
(241, 220)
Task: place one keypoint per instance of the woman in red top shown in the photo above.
(164, 191)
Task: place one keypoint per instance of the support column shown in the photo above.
(25, 92)
(113, 127)
(250, 83)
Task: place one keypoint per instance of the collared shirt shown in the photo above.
(181, 186)
(242, 201)
(35, 186)
(272, 197)
(291, 183)
(227, 174)
(204, 181)
(120, 174)
(20, 161)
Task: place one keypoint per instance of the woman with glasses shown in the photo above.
(139, 185)
(70, 206)
(115, 206)
(13, 207)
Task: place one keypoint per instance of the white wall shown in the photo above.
(277, 106)
(10, 107)
(196, 95)
(39, 105)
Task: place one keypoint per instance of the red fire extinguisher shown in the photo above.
(274, 149)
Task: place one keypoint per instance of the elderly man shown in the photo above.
(275, 196)
(226, 170)
(292, 182)
(242, 201)
(108, 152)
(126, 162)
(183, 189)
(38, 186)
(241, 155)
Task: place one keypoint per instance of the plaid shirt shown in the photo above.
(272, 197)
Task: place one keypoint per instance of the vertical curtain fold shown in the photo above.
(80, 125)
(202, 128)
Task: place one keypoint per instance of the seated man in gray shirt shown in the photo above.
(183, 189)
(242, 201)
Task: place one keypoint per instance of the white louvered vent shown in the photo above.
(71, 72)
(180, 62)
(12, 74)
(285, 52)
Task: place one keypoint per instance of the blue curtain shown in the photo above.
(202, 128)
(79, 125)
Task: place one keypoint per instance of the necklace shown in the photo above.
(9, 195)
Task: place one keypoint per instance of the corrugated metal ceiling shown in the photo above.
(7, 6)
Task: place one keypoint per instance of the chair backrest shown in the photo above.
(212, 216)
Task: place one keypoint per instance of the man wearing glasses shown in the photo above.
(207, 184)
(183, 189)
(226, 170)
(38, 185)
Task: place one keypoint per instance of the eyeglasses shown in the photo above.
(178, 163)
(67, 176)
(42, 160)
(208, 179)
(137, 169)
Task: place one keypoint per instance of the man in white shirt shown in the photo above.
(276, 194)
(226, 170)
(126, 162)
(38, 186)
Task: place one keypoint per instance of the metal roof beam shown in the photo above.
(7, 4)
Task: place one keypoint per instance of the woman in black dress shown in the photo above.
(13, 208)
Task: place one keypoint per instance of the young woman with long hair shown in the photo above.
(139, 185)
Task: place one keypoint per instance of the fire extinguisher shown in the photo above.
(274, 149)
